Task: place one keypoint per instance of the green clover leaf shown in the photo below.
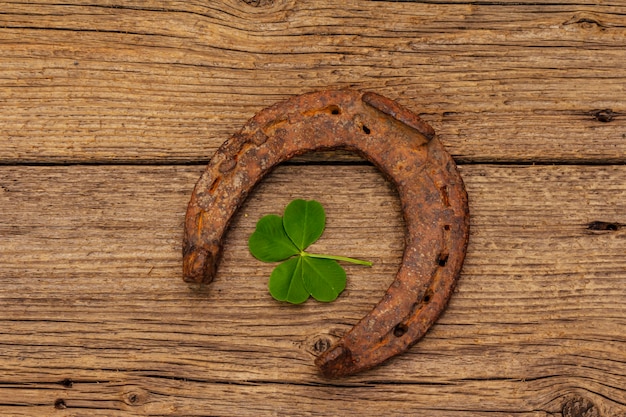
(304, 222)
(269, 242)
(324, 279)
(286, 282)
(301, 274)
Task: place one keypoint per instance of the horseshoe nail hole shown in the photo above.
(332, 109)
(400, 330)
(228, 165)
(214, 185)
(446, 227)
(366, 130)
(60, 404)
(428, 295)
(444, 195)
(442, 259)
(270, 128)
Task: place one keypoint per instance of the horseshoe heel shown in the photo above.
(406, 150)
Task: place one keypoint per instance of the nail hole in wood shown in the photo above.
(60, 404)
(67, 383)
(598, 225)
(604, 116)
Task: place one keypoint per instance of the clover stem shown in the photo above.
(337, 258)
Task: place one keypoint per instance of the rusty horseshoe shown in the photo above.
(406, 150)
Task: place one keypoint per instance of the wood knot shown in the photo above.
(585, 21)
(60, 404)
(604, 115)
(579, 407)
(259, 3)
(135, 398)
(318, 344)
(321, 345)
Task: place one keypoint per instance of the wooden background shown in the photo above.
(110, 109)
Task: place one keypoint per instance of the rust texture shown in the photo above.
(406, 150)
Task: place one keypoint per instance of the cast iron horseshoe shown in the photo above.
(406, 150)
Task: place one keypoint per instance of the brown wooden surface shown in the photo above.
(109, 111)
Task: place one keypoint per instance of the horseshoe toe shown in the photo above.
(406, 150)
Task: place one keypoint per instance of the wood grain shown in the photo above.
(109, 110)
(97, 319)
(168, 81)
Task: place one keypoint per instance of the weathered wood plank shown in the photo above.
(96, 318)
(170, 81)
